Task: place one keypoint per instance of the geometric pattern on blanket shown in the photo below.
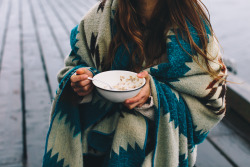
(188, 103)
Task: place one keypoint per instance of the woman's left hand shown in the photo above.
(142, 96)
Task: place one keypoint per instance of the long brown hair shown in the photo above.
(167, 14)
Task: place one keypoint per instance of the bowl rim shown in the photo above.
(109, 90)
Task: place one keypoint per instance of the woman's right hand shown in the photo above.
(80, 82)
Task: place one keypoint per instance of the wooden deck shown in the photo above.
(34, 40)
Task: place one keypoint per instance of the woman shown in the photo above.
(170, 43)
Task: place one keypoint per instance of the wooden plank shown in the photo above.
(2, 8)
(234, 145)
(1, 1)
(208, 156)
(11, 143)
(68, 23)
(236, 148)
(47, 47)
(80, 9)
(220, 129)
(230, 142)
(38, 96)
(87, 3)
(48, 6)
(4, 21)
(70, 13)
(52, 31)
(56, 28)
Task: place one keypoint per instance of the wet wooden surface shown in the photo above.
(34, 40)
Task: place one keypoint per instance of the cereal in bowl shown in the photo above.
(128, 83)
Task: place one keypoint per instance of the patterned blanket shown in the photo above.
(188, 103)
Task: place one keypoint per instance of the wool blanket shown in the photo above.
(188, 103)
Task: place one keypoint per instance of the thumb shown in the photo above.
(143, 74)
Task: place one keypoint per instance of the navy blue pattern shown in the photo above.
(132, 157)
(122, 56)
(73, 39)
(100, 141)
(49, 161)
(73, 42)
(94, 111)
(183, 162)
(72, 116)
(121, 61)
(179, 53)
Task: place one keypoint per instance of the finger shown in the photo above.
(84, 71)
(135, 99)
(82, 88)
(77, 78)
(85, 93)
(78, 88)
(144, 93)
(82, 83)
(143, 101)
(87, 87)
(73, 84)
(131, 106)
(143, 74)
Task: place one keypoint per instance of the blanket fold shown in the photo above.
(188, 103)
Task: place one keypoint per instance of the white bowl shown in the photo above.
(113, 78)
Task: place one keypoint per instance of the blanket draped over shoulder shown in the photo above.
(188, 103)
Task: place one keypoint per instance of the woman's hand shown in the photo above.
(80, 82)
(142, 96)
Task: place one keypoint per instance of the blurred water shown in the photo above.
(231, 22)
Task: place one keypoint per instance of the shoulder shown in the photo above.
(92, 17)
(97, 18)
(89, 23)
(99, 11)
(94, 28)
